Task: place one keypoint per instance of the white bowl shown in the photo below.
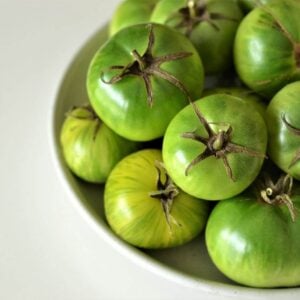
(188, 265)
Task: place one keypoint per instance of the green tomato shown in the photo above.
(218, 158)
(283, 121)
(210, 25)
(145, 208)
(141, 78)
(255, 243)
(267, 47)
(89, 147)
(244, 94)
(131, 12)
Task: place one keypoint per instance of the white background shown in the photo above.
(47, 250)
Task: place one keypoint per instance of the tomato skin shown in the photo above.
(138, 218)
(283, 144)
(265, 57)
(255, 243)
(89, 152)
(123, 106)
(208, 40)
(208, 179)
(244, 94)
(131, 12)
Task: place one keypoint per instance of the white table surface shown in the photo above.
(47, 250)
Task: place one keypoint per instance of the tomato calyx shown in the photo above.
(194, 13)
(147, 65)
(278, 193)
(217, 144)
(166, 191)
(85, 113)
(295, 131)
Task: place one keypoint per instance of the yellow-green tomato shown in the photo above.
(145, 208)
(90, 148)
(131, 12)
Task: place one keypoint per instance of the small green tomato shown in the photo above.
(89, 147)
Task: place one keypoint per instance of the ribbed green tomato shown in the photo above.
(283, 120)
(131, 12)
(141, 78)
(210, 25)
(222, 163)
(267, 47)
(89, 147)
(242, 93)
(146, 209)
(255, 243)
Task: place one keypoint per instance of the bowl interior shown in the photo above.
(190, 261)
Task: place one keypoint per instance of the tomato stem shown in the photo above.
(194, 13)
(146, 66)
(217, 144)
(278, 193)
(166, 191)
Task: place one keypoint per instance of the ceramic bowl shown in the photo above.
(188, 265)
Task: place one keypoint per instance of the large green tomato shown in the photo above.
(210, 25)
(256, 243)
(141, 78)
(145, 208)
(131, 12)
(89, 147)
(267, 47)
(283, 120)
(220, 157)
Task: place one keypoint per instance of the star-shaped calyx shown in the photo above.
(147, 65)
(166, 192)
(194, 13)
(295, 131)
(217, 144)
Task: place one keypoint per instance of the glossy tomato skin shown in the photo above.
(244, 94)
(213, 42)
(208, 179)
(123, 106)
(90, 148)
(284, 144)
(266, 49)
(138, 218)
(255, 243)
(131, 12)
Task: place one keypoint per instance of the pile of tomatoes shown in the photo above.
(178, 158)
